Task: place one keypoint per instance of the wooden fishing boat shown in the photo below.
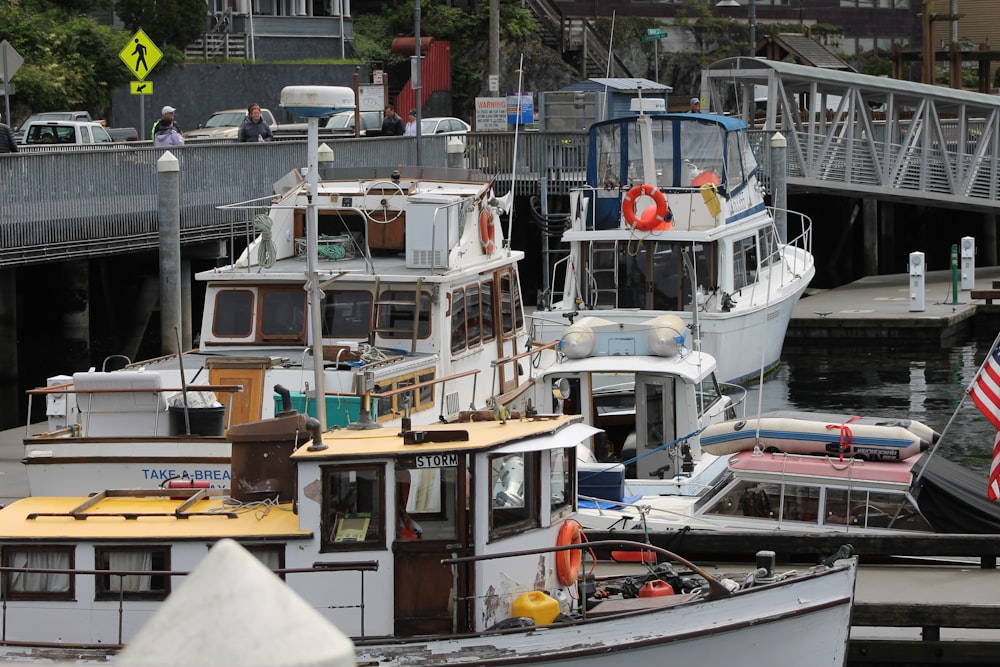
(442, 544)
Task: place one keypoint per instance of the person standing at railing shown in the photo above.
(392, 125)
(411, 124)
(167, 134)
(254, 128)
(7, 142)
(167, 113)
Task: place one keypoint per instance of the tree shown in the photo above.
(174, 23)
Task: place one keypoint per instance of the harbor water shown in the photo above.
(888, 379)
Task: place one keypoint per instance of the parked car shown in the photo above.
(50, 115)
(64, 132)
(343, 123)
(444, 125)
(123, 133)
(226, 124)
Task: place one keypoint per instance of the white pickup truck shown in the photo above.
(62, 132)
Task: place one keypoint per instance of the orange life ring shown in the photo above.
(705, 177)
(568, 561)
(486, 233)
(652, 218)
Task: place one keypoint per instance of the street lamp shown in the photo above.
(751, 17)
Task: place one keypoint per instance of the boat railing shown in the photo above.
(11, 606)
(158, 408)
(802, 243)
(416, 386)
(535, 351)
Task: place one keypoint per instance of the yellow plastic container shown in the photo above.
(536, 605)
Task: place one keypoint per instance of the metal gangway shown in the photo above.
(867, 135)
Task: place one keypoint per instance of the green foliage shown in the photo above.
(70, 61)
(174, 23)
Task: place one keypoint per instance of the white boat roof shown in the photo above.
(689, 366)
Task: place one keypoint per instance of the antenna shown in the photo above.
(513, 166)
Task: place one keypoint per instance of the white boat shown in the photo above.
(709, 253)
(847, 437)
(491, 505)
(418, 296)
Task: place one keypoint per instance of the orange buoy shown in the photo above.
(653, 218)
(487, 234)
(568, 561)
(655, 588)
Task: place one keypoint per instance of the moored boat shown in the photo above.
(673, 221)
(427, 546)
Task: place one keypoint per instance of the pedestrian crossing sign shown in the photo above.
(140, 55)
(141, 87)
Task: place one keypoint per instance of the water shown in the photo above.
(888, 379)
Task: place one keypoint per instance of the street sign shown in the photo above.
(140, 55)
(141, 87)
(653, 34)
(10, 61)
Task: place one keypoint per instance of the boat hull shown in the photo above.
(806, 436)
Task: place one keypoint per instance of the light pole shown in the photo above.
(751, 18)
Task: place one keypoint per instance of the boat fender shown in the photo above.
(653, 218)
(487, 233)
(568, 561)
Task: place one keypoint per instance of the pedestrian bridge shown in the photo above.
(847, 134)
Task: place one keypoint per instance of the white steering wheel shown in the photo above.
(383, 205)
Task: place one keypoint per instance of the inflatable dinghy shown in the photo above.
(919, 429)
(872, 442)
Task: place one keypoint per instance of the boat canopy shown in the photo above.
(685, 147)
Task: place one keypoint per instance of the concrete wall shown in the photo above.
(196, 90)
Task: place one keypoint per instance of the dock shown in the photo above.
(879, 308)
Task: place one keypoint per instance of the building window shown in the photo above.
(125, 578)
(38, 585)
(233, 314)
(353, 508)
(515, 483)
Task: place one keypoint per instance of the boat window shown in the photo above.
(734, 168)
(744, 262)
(750, 499)
(283, 314)
(708, 393)
(608, 165)
(38, 585)
(486, 306)
(768, 246)
(515, 484)
(115, 559)
(800, 503)
(426, 500)
(459, 338)
(876, 509)
(347, 314)
(271, 555)
(233, 317)
(562, 478)
(353, 508)
(395, 314)
(391, 407)
(473, 315)
(511, 309)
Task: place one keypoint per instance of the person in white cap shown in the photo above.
(7, 142)
(166, 113)
(695, 105)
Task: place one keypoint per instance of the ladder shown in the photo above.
(602, 274)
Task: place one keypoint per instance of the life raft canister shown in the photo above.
(487, 234)
(568, 561)
(653, 218)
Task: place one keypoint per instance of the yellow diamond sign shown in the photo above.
(140, 55)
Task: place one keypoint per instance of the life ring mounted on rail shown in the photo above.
(568, 561)
(487, 232)
(653, 218)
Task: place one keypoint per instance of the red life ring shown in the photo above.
(487, 235)
(568, 561)
(652, 218)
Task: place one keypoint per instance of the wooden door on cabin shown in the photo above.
(432, 524)
(245, 406)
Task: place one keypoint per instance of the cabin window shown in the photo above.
(421, 398)
(283, 315)
(26, 585)
(744, 262)
(233, 314)
(468, 317)
(396, 318)
(426, 499)
(768, 246)
(511, 310)
(459, 339)
(750, 499)
(562, 481)
(271, 555)
(800, 503)
(873, 510)
(347, 314)
(134, 561)
(353, 508)
(515, 484)
(708, 394)
(486, 306)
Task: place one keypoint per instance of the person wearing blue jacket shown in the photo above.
(254, 127)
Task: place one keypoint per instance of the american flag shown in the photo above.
(985, 393)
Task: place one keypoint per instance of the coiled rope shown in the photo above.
(266, 252)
